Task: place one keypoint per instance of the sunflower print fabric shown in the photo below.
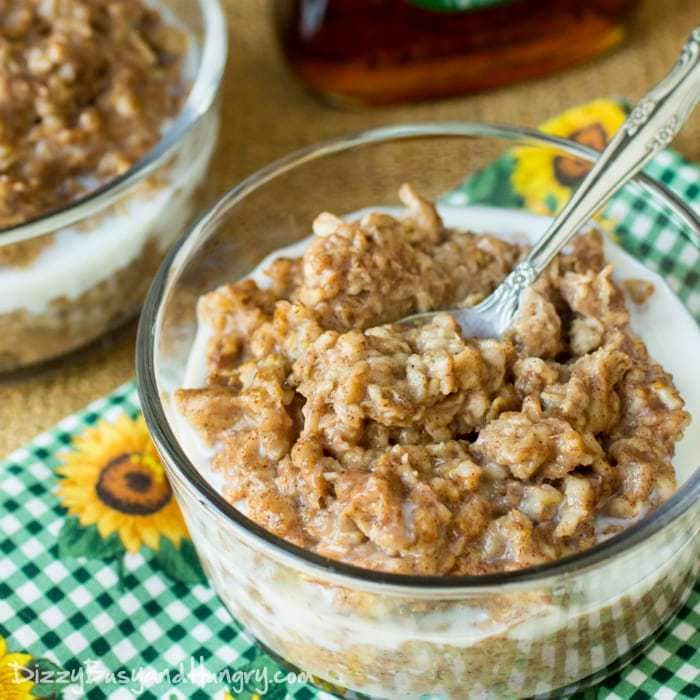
(118, 499)
(14, 684)
(545, 179)
(23, 677)
(540, 179)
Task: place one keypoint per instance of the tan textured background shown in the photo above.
(267, 114)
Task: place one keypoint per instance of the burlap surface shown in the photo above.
(267, 114)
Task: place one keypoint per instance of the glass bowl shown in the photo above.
(550, 628)
(97, 256)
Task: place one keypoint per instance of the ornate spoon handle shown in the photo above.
(650, 127)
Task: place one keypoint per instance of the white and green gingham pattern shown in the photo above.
(127, 617)
(645, 232)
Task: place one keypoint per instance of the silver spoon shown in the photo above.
(650, 127)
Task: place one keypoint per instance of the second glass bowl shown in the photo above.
(98, 255)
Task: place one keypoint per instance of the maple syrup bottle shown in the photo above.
(384, 51)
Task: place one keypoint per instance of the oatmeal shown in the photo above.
(85, 87)
(415, 450)
(638, 291)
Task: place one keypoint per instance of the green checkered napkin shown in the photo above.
(122, 619)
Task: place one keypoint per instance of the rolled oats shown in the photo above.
(413, 449)
(85, 88)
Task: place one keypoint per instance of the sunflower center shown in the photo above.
(570, 171)
(138, 481)
(129, 484)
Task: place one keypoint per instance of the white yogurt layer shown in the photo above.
(77, 260)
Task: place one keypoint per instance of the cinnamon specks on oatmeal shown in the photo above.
(85, 88)
(415, 450)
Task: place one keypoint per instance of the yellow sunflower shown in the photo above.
(13, 685)
(544, 177)
(114, 479)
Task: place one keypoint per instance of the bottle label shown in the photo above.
(457, 5)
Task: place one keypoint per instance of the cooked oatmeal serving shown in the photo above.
(85, 87)
(415, 450)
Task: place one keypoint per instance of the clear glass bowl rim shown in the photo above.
(164, 437)
(201, 96)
